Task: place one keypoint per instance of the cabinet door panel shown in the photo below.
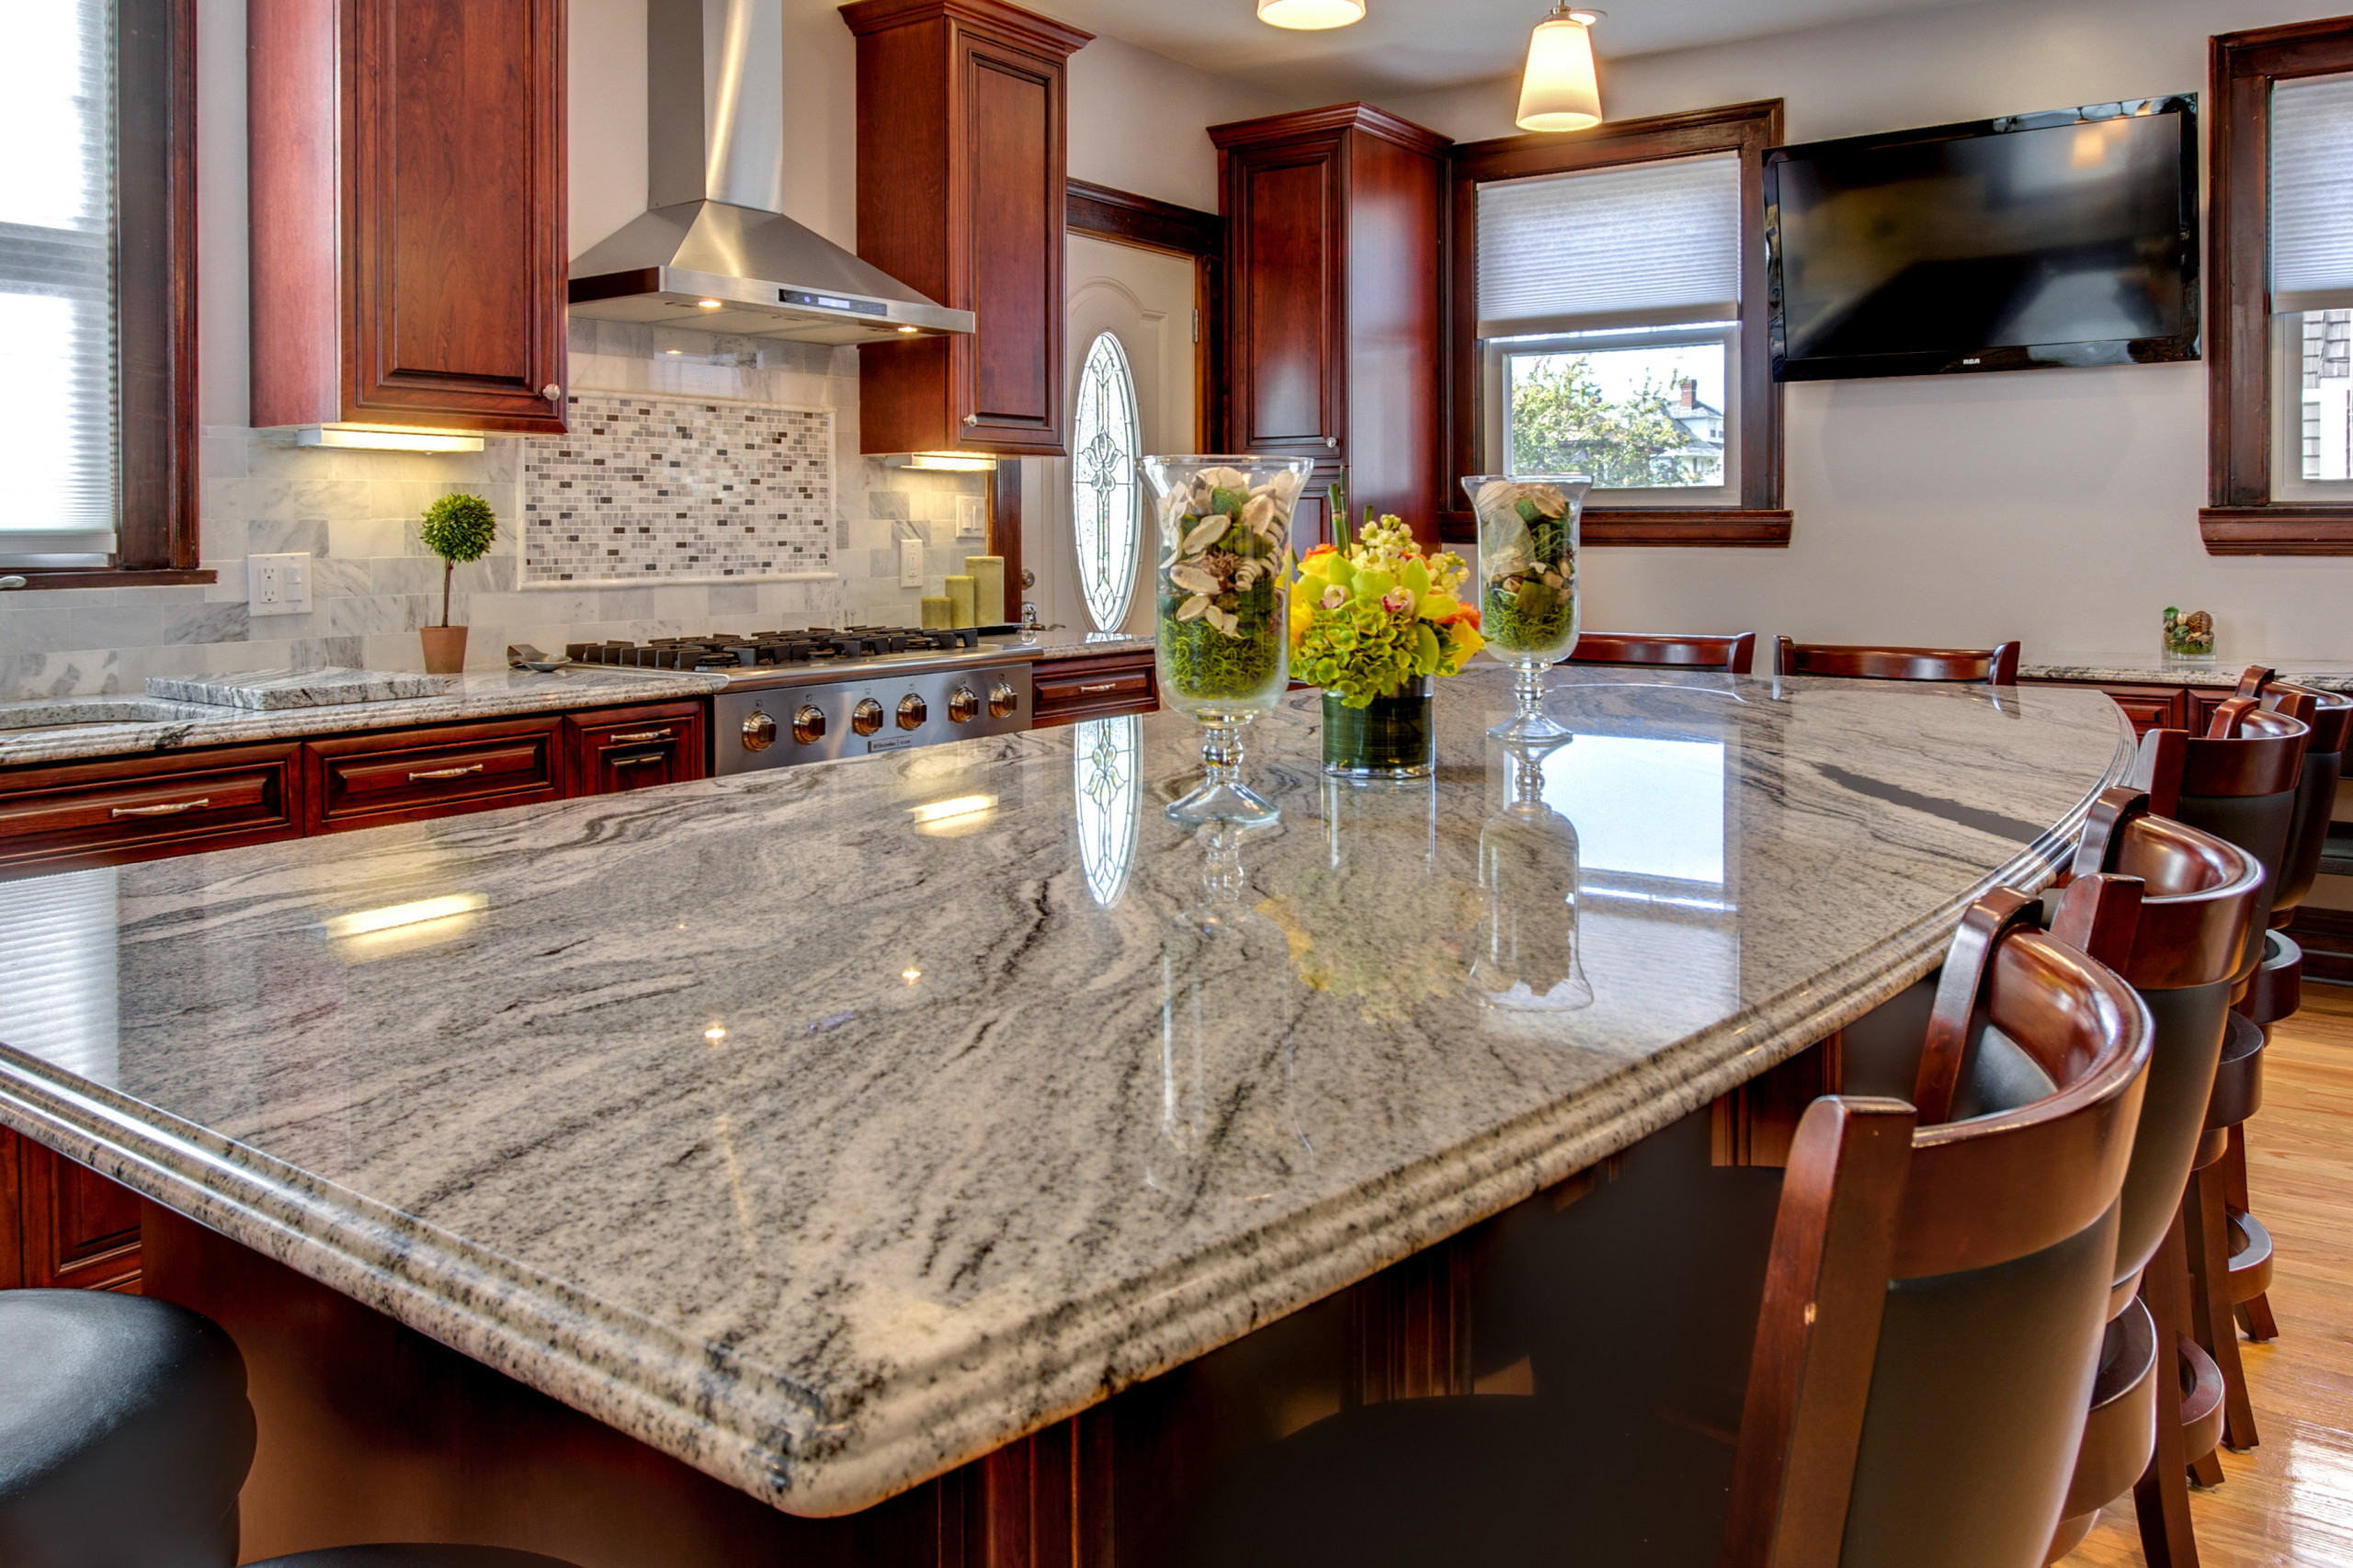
(636, 748)
(456, 209)
(1285, 319)
(1014, 238)
(406, 775)
(138, 807)
(81, 1231)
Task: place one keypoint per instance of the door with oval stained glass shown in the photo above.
(1131, 367)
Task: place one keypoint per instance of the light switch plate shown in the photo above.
(279, 585)
(911, 564)
(971, 523)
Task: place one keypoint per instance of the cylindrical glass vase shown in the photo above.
(1392, 737)
(1223, 586)
(1529, 598)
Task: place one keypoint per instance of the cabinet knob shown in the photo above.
(1332, 441)
(972, 419)
(553, 392)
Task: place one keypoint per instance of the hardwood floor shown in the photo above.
(2291, 1499)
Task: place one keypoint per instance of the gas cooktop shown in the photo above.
(721, 653)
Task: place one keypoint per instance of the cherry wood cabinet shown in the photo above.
(406, 178)
(63, 1225)
(1102, 686)
(384, 775)
(633, 748)
(962, 135)
(1333, 312)
(127, 809)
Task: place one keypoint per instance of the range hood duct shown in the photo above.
(715, 120)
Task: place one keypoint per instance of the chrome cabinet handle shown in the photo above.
(647, 761)
(640, 735)
(1106, 686)
(169, 809)
(447, 772)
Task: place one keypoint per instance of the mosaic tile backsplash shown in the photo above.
(647, 489)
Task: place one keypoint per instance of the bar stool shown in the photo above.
(125, 1437)
(1997, 665)
(2167, 907)
(1932, 1310)
(1728, 655)
(2239, 782)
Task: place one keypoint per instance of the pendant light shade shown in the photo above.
(1307, 15)
(1558, 91)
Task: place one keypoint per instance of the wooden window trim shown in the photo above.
(2240, 518)
(1760, 520)
(155, 532)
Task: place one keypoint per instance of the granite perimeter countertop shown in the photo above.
(829, 1127)
(2150, 669)
(69, 729)
(1052, 645)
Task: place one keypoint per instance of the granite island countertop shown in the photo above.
(42, 729)
(829, 1127)
(2152, 669)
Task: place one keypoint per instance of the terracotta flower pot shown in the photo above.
(445, 649)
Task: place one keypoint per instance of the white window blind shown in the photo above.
(1642, 245)
(57, 316)
(2312, 194)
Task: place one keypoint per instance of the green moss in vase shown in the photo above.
(1204, 663)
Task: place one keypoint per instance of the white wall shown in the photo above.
(2060, 507)
(1136, 121)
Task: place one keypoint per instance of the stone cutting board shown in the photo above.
(274, 690)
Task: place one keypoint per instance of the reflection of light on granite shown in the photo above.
(716, 1033)
(1652, 807)
(956, 815)
(368, 922)
(58, 1002)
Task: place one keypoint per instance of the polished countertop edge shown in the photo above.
(2127, 669)
(1137, 643)
(591, 1357)
(479, 694)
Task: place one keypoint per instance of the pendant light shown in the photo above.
(1558, 91)
(1309, 14)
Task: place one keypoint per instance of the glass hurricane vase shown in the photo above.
(1529, 598)
(1391, 738)
(1222, 582)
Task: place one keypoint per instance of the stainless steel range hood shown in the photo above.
(714, 253)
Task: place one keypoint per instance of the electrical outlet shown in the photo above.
(911, 564)
(279, 585)
(971, 523)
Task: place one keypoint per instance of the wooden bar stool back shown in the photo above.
(1997, 665)
(1931, 1314)
(2167, 907)
(1732, 654)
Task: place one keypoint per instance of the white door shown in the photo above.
(1131, 397)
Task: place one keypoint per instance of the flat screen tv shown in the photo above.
(2035, 240)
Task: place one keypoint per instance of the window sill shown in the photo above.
(1657, 527)
(106, 576)
(2277, 530)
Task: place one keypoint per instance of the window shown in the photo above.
(1613, 277)
(1107, 515)
(97, 293)
(2279, 389)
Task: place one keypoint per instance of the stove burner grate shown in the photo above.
(818, 645)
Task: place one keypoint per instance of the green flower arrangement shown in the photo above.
(458, 528)
(1368, 616)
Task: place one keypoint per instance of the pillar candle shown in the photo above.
(987, 572)
(935, 611)
(960, 600)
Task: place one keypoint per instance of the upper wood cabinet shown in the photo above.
(960, 144)
(1334, 308)
(407, 209)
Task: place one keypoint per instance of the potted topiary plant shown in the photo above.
(458, 528)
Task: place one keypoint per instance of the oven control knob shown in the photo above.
(1003, 701)
(912, 713)
(759, 733)
(866, 717)
(963, 705)
(809, 725)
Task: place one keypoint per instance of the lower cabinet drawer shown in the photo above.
(633, 748)
(364, 780)
(1063, 693)
(102, 813)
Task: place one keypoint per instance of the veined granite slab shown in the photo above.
(47, 729)
(829, 1127)
(1053, 645)
(2149, 669)
(274, 690)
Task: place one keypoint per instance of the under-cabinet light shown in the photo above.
(394, 916)
(385, 438)
(709, 305)
(1558, 92)
(942, 462)
(1306, 16)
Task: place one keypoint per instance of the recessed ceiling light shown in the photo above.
(1306, 16)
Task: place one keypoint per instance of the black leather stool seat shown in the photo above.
(414, 1557)
(124, 1433)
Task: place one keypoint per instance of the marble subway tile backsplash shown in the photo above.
(355, 513)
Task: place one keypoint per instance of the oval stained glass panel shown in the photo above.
(1107, 516)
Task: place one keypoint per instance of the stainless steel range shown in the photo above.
(815, 695)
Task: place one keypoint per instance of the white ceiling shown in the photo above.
(1412, 46)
